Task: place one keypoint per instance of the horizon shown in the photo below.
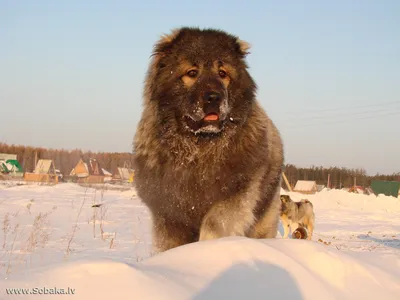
(327, 73)
(285, 163)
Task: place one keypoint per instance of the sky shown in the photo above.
(328, 72)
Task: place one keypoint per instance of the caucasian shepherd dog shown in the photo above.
(208, 159)
(297, 214)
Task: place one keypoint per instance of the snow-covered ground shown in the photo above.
(53, 238)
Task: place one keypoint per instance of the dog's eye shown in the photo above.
(222, 73)
(192, 73)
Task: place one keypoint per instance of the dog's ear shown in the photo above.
(243, 47)
(162, 46)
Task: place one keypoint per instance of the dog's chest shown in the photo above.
(203, 187)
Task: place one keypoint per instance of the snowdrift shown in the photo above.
(229, 268)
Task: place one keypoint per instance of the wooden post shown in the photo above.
(329, 181)
(286, 181)
(36, 158)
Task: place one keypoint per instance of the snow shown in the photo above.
(106, 172)
(48, 240)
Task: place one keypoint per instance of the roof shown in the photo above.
(105, 172)
(44, 166)
(92, 167)
(10, 165)
(80, 173)
(124, 173)
(305, 185)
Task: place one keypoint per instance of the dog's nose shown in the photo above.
(212, 96)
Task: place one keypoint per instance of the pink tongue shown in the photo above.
(211, 117)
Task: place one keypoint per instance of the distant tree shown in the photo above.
(65, 160)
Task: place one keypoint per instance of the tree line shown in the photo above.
(65, 161)
(338, 177)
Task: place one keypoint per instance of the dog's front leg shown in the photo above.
(286, 226)
(233, 216)
(226, 219)
(293, 227)
(169, 234)
(285, 229)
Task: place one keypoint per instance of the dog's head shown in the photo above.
(285, 199)
(285, 203)
(199, 80)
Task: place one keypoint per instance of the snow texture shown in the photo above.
(53, 238)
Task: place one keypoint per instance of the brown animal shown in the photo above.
(208, 159)
(300, 233)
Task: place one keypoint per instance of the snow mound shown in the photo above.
(229, 268)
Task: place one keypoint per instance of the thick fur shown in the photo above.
(296, 214)
(204, 180)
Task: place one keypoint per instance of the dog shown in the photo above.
(297, 214)
(208, 159)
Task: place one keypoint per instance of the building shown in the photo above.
(306, 187)
(387, 188)
(6, 156)
(44, 172)
(88, 171)
(107, 175)
(123, 174)
(10, 166)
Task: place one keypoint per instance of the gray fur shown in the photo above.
(295, 214)
(205, 182)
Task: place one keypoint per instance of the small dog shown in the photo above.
(297, 214)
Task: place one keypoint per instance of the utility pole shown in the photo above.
(329, 181)
(36, 158)
(286, 181)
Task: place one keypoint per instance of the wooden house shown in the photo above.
(88, 171)
(44, 172)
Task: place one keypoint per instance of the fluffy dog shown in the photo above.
(208, 159)
(297, 214)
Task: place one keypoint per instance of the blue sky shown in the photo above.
(328, 72)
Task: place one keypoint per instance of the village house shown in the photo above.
(44, 172)
(306, 187)
(88, 171)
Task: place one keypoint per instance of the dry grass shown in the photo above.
(39, 234)
(25, 230)
(99, 214)
(17, 244)
(15, 233)
(68, 251)
(6, 228)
